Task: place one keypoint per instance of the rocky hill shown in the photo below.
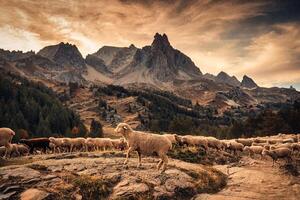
(248, 82)
(64, 54)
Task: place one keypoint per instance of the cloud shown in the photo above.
(258, 38)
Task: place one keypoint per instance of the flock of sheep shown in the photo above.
(284, 146)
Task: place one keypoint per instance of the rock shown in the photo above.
(13, 188)
(34, 194)
(56, 168)
(160, 192)
(7, 195)
(223, 77)
(88, 172)
(49, 176)
(24, 173)
(248, 82)
(74, 167)
(173, 184)
(128, 189)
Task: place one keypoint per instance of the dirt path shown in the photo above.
(256, 180)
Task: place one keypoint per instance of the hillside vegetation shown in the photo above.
(33, 110)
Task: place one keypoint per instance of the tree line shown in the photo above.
(33, 110)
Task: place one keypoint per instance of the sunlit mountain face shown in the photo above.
(257, 38)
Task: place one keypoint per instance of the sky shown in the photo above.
(259, 38)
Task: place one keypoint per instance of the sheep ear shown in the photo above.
(125, 128)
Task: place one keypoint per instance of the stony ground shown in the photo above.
(256, 179)
(103, 176)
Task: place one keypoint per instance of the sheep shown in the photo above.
(277, 146)
(119, 143)
(145, 144)
(214, 143)
(254, 150)
(190, 140)
(36, 143)
(234, 146)
(90, 144)
(171, 137)
(6, 135)
(103, 143)
(259, 144)
(288, 140)
(245, 142)
(295, 147)
(71, 143)
(259, 140)
(56, 144)
(19, 149)
(2, 151)
(275, 141)
(278, 153)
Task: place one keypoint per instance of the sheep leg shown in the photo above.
(7, 150)
(140, 159)
(127, 155)
(159, 164)
(165, 162)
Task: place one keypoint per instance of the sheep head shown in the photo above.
(123, 129)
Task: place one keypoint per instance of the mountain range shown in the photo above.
(158, 66)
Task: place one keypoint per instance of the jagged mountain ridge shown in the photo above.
(157, 66)
(64, 54)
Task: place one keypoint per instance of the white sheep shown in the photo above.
(252, 150)
(171, 137)
(72, 143)
(90, 144)
(259, 140)
(275, 141)
(245, 142)
(277, 146)
(56, 144)
(296, 147)
(103, 143)
(259, 144)
(191, 140)
(19, 149)
(278, 153)
(6, 135)
(214, 143)
(145, 144)
(234, 146)
(119, 143)
(288, 140)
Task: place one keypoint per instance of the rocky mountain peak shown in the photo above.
(225, 78)
(160, 41)
(132, 46)
(64, 54)
(248, 82)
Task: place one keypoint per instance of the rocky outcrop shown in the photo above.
(155, 65)
(223, 77)
(14, 55)
(111, 59)
(103, 176)
(64, 54)
(165, 62)
(248, 82)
